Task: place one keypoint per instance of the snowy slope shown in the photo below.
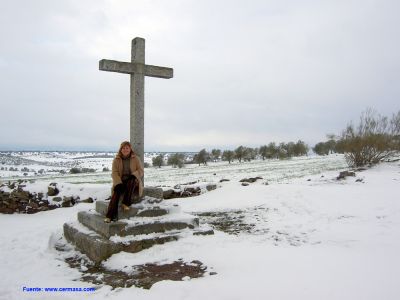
(309, 237)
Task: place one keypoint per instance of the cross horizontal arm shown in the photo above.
(120, 66)
(159, 72)
(131, 68)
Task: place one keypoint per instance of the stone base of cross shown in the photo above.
(137, 70)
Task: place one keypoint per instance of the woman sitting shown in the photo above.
(126, 174)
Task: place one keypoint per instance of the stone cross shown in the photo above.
(137, 69)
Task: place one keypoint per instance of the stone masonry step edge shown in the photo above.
(98, 248)
(120, 228)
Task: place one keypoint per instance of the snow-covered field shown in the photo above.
(307, 235)
(56, 167)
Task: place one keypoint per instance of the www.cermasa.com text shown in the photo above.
(60, 289)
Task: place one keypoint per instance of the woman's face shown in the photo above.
(126, 150)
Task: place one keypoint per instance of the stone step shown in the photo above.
(154, 192)
(98, 248)
(203, 230)
(135, 210)
(133, 227)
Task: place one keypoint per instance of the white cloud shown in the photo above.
(245, 73)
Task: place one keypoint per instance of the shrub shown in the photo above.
(374, 139)
(75, 171)
(81, 170)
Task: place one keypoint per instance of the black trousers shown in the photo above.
(130, 189)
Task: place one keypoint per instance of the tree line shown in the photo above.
(241, 153)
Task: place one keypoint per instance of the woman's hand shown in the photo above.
(119, 188)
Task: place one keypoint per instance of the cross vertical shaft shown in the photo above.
(137, 99)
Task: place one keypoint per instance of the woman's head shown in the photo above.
(125, 149)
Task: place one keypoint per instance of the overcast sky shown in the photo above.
(245, 72)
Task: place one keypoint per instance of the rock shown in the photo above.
(66, 204)
(211, 187)
(360, 169)
(6, 210)
(22, 195)
(189, 183)
(186, 194)
(344, 174)
(88, 200)
(154, 192)
(168, 194)
(245, 184)
(34, 205)
(223, 180)
(52, 189)
(57, 199)
(206, 232)
(68, 201)
(20, 201)
(187, 191)
(251, 179)
(192, 190)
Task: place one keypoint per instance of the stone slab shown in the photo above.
(151, 211)
(96, 223)
(154, 192)
(203, 232)
(98, 248)
(121, 228)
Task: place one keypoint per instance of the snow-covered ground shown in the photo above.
(52, 163)
(308, 236)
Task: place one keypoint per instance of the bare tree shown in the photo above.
(374, 139)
